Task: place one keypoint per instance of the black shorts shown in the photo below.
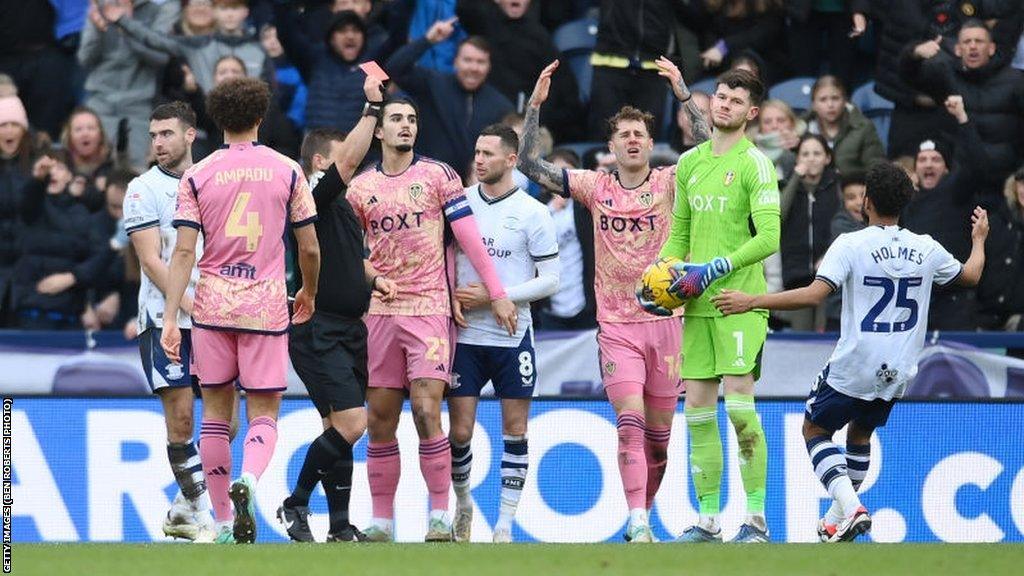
(329, 355)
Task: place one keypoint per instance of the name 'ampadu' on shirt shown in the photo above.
(242, 198)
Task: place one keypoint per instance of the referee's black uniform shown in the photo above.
(329, 351)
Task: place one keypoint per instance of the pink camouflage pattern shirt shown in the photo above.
(630, 226)
(403, 216)
(242, 197)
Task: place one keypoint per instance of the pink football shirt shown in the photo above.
(242, 197)
(630, 226)
(403, 216)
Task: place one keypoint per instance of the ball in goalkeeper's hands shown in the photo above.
(656, 280)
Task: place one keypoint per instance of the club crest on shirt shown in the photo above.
(416, 190)
(729, 177)
(609, 367)
(646, 199)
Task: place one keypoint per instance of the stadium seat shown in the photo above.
(795, 92)
(706, 86)
(876, 108)
(95, 374)
(576, 36)
(576, 41)
(581, 148)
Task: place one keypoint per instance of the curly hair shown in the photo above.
(631, 113)
(238, 105)
(889, 188)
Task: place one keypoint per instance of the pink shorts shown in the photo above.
(259, 361)
(404, 348)
(642, 358)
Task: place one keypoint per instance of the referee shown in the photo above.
(329, 351)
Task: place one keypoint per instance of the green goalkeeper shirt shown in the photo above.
(727, 206)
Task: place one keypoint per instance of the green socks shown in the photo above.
(753, 453)
(706, 457)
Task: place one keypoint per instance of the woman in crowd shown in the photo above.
(89, 153)
(777, 134)
(808, 202)
(852, 137)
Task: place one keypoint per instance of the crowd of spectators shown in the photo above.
(78, 79)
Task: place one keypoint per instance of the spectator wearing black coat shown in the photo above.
(520, 48)
(630, 37)
(835, 26)
(1001, 290)
(913, 22)
(48, 289)
(942, 208)
(330, 68)
(993, 95)
(729, 28)
(849, 218)
(453, 108)
(808, 202)
(110, 302)
(18, 149)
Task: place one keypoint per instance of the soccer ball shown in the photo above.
(655, 282)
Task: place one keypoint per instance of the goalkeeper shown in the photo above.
(726, 219)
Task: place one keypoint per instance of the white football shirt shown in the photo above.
(150, 202)
(886, 275)
(517, 231)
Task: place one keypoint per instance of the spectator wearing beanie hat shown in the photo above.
(945, 198)
(18, 147)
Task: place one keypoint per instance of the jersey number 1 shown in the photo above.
(889, 288)
(251, 229)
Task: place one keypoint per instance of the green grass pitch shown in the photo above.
(517, 560)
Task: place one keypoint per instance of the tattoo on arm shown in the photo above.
(698, 122)
(530, 163)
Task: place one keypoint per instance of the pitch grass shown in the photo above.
(517, 560)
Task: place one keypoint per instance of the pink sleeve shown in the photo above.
(580, 185)
(301, 208)
(187, 211)
(468, 235)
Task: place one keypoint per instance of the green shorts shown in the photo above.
(723, 346)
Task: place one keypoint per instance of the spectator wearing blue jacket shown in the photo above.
(453, 108)
(330, 69)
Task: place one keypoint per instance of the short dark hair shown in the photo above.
(318, 141)
(631, 113)
(508, 136)
(478, 42)
(175, 110)
(974, 23)
(121, 177)
(739, 78)
(400, 100)
(566, 155)
(889, 188)
(239, 104)
(852, 180)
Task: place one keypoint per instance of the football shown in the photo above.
(656, 280)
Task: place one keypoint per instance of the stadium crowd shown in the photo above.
(933, 85)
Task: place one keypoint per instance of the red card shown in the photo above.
(374, 70)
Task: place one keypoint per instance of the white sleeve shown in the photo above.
(835, 265)
(140, 211)
(544, 284)
(543, 237)
(947, 267)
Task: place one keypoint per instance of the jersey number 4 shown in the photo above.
(890, 289)
(250, 229)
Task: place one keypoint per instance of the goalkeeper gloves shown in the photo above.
(695, 278)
